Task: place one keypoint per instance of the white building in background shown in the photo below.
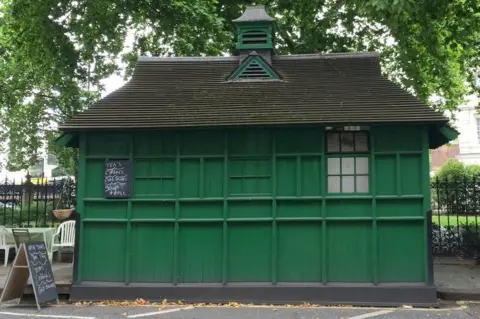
(44, 167)
(468, 124)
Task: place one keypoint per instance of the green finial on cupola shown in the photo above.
(255, 29)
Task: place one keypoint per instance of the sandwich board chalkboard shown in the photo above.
(31, 261)
(117, 179)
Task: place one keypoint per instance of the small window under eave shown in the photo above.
(254, 68)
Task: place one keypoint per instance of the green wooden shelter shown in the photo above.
(257, 178)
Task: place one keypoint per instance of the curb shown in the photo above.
(63, 288)
(457, 295)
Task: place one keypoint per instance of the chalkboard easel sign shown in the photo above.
(118, 179)
(31, 262)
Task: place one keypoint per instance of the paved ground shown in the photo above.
(456, 277)
(452, 311)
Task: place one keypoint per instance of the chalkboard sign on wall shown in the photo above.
(41, 272)
(118, 179)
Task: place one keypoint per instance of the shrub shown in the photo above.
(456, 188)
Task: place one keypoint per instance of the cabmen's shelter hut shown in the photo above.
(256, 178)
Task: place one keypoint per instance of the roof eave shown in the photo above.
(441, 135)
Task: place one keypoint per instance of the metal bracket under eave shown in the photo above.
(67, 140)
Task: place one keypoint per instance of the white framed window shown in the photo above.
(348, 174)
(347, 162)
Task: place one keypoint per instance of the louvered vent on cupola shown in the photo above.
(254, 68)
(256, 38)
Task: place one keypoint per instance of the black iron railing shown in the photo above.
(24, 203)
(455, 216)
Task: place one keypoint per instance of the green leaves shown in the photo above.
(55, 53)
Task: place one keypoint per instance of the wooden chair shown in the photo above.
(4, 245)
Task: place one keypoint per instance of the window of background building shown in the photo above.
(478, 129)
(52, 159)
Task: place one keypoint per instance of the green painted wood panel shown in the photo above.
(154, 187)
(401, 251)
(249, 142)
(203, 142)
(200, 253)
(286, 170)
(398, 138)
(153, 210)
(398, 207)
(411, 174)
(249, 252)
(160, 168)
(295, 209)
(199, 210)
(95, 176)
(386, 174)
(154, 177)
(250, 177)
(103, 256)
(250, 209)
(100, 210)
(147, 144)
(349, 252)
(152, 252)
(299, 252)
(311, 176)
(299, 140)
(190, 178)
(213, 177)
(111, 144)
(349, 208)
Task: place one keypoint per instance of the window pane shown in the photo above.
(361, 165)
(347, 142)
(333, 142)
(361, 142)
(333, 166)
(348, 184)
(362, 184)
(347, 165)
(334, 184)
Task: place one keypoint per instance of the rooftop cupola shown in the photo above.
(255, 30)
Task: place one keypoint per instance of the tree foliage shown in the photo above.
(54, 53)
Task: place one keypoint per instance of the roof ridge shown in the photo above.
(187, 58)
(334, 55)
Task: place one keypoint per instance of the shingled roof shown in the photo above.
(314, 89)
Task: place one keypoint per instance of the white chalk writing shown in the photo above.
(116, 179)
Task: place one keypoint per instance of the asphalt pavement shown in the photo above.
(446, 311)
